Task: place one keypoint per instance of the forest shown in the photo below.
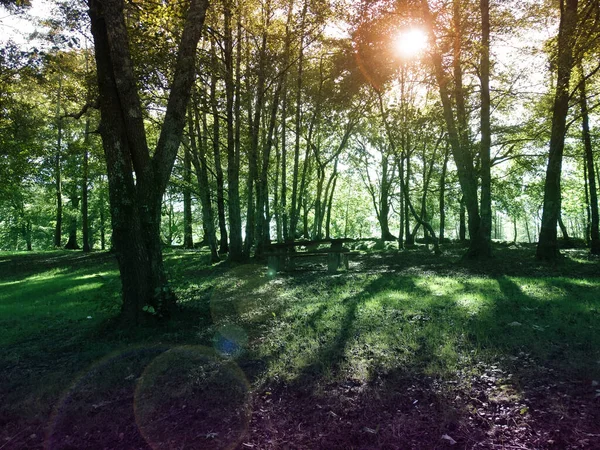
(172, 172)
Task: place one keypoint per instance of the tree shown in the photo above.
(135, 202)
(547, 248)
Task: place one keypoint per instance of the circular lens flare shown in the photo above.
(410, 43)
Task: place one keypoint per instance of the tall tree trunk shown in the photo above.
(263, 187)
(135, 203)
(485, 229)
(442, 198)
(223, 240)
(188, 238)
(57, 169)
(198, 148)
(85, 189)
(547, 248)
(591, 175)
(409, 240)
(457, 128)
(295, 206)
(233, 133)
(254, 117)
(283, 200)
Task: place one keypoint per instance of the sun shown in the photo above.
(410, 43)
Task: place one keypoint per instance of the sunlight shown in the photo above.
(410, 43)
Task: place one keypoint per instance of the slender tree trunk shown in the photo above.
(547, 248)
(85, 189)
(462, 227)
(295, 206)
(103, 220)
(410, 238)
(591, 175)
(329, 209)
(588, 213)
(485, 249)
(188, 238)
(442, 197)
(233, 134)
(57, 169)
(198, 158)
(223, 240)
(402, 214)
(263, 187)
(254, 118)
(28, 234)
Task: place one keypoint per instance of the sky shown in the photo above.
(17, 27)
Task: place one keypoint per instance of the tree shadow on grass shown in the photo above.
(471, 359)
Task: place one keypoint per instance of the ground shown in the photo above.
(404, 351)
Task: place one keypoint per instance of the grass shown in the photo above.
(393, 323)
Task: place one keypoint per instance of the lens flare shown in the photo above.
(410, 43)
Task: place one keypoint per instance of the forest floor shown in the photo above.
(403, 351)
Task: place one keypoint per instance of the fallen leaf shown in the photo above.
(448, 439)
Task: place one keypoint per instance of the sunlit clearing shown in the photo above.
(410, 43)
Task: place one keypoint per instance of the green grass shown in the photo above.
(395, 316)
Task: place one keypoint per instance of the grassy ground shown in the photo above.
(405, 350)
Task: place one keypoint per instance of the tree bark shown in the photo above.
(85, 234)
(442, 197)
(72, 241)
(590, 172)
(233, 134)
(547, 248)
(216, 127)
(57, 170)
(135, 203)
(457, 129)
(198, 144)
(188, 238)
(485, 229)
(295, 206)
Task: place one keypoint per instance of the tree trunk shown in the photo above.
(135, 203)
(547, 248)
(485, 229)
(198, 153)
(462, 225)
(591, 175)
(329, 209)
(295, 206)
(85, 190)
(188, 238)
(57, 170)
(72, 242)
(442, 197)
(223, 240)
(102, 221)
(254, 118)
(563, 230)
(233, 134)
(458, 129)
